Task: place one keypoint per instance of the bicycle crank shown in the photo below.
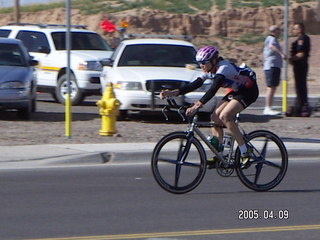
(225, 170)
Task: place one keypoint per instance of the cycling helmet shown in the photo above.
(205, 54)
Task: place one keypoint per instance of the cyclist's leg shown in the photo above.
(238, 102)
(245, 97)
(218, 129)
(227, 116)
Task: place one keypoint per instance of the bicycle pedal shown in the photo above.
(246, 165)
(211, 164)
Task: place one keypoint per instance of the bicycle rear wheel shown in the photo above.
(178, 162)
(269, 164)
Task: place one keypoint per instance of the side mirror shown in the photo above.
(33, 62)
(107, 62)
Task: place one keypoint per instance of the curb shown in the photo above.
(95, 154)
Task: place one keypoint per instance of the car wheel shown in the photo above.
(62, 89)
(25, 113)
(34, 105)
(122, 115)
(54, 96)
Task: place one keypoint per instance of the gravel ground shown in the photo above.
(49, 128)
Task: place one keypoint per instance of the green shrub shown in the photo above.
(221, 4)
(205, 5)
(172, 6)
(251, 38)
(270, 3)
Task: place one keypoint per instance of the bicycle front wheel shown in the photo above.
(178, 162)
(269, 164)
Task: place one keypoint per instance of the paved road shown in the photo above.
(123, 199)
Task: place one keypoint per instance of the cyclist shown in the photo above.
(244, 91)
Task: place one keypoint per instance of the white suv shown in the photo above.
(46, 43)
(140, 68)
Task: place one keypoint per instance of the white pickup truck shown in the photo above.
(46, 43)
(140, 68)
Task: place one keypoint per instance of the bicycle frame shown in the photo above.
(261, 172)
(194, 128)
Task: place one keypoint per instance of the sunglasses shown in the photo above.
(204, 62)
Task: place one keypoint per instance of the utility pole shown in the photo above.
(68, 113)
(17, 11)
(286, 49)
(318, 11)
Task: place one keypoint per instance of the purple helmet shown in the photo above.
(207, 53)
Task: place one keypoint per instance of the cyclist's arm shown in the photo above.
(216, 83)
(191, 86)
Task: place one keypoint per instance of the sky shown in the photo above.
(10, 3)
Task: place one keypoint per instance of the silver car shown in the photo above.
(17, 78)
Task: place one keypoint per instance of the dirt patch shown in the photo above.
(49, 128)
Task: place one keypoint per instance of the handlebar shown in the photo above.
(172, 106)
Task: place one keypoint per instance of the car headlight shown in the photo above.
(90, 65)
(128, 85)
(13, 85)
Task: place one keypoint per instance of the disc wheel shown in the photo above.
(268, 166)
(178, 162)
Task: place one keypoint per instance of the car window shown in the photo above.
(4, 33)
(166, 55)
(80, 41)
(11, 55)
(34, 41)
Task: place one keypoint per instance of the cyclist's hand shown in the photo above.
(192, 110)
(169, 93)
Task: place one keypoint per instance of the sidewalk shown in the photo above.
(81, 154)
(87, 154)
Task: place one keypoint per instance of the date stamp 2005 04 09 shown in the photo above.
(255, 214)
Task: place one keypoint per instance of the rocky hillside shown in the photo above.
(239, 33)
(231, 26)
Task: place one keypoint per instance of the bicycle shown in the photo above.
(179, 159)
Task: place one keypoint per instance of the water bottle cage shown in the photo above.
(227, 141)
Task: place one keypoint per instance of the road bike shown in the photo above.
(179, 159)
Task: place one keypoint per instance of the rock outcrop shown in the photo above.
(231, 23)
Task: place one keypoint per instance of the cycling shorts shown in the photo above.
(246, 96)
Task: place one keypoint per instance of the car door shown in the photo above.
(38, 46)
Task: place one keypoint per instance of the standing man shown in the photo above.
(273, 55)
(300, 50)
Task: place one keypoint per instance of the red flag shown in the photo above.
(108, 26)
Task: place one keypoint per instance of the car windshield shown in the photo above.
(11, 55)
(164, 55)
(81, 41)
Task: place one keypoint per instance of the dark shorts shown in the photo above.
(273, 77)
(245, 96)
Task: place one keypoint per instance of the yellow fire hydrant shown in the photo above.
(109, 110)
